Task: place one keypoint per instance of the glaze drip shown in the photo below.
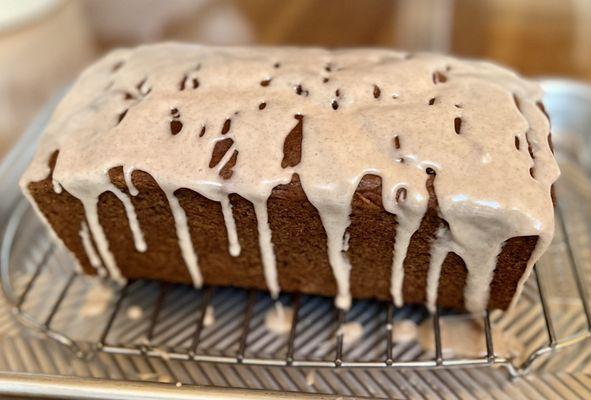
(266, 246)
(184, 237)
(380, 112)
(97, 232)
(234, 245)
(439, 250)
(94, 259)
(136, 231)
(127, 171)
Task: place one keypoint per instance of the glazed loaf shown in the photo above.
(367, 173)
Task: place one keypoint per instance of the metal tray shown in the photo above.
(168, 342)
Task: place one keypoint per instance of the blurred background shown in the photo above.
(45, 43)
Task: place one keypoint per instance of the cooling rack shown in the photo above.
(58, 350)
(169, 321)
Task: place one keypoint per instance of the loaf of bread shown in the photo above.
(367, 173)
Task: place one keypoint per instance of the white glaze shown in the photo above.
(404, 331)
(278, 318)
(463, 336)
(346, 239)
(311, 377)
(266, 246)
(97, 300)
(406, 227)
(184, 237)
(234, 245)
(134, 225)
(350, 331)
(96, 230)
(94, 259)
(483, 185)
(209, 317)
(127, 171)
(134, 312)
(335, 222)
(439, 250)
(56, 186)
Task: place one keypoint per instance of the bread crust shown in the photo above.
(298, 238)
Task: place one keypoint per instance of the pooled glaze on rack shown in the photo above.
(278, 318)
(350, 331)
(465, 337)
(163, 108)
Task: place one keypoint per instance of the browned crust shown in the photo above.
(298, 237)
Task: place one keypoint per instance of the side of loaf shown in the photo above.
(353, 173)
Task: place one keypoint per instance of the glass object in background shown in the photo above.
(536, 37)
(43, 44)
(132, 22)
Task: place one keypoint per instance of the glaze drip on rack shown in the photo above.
(167, 107)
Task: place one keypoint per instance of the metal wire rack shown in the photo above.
(174, 326)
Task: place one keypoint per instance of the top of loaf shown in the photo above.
(329, 116)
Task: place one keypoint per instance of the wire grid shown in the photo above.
(245, 320)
